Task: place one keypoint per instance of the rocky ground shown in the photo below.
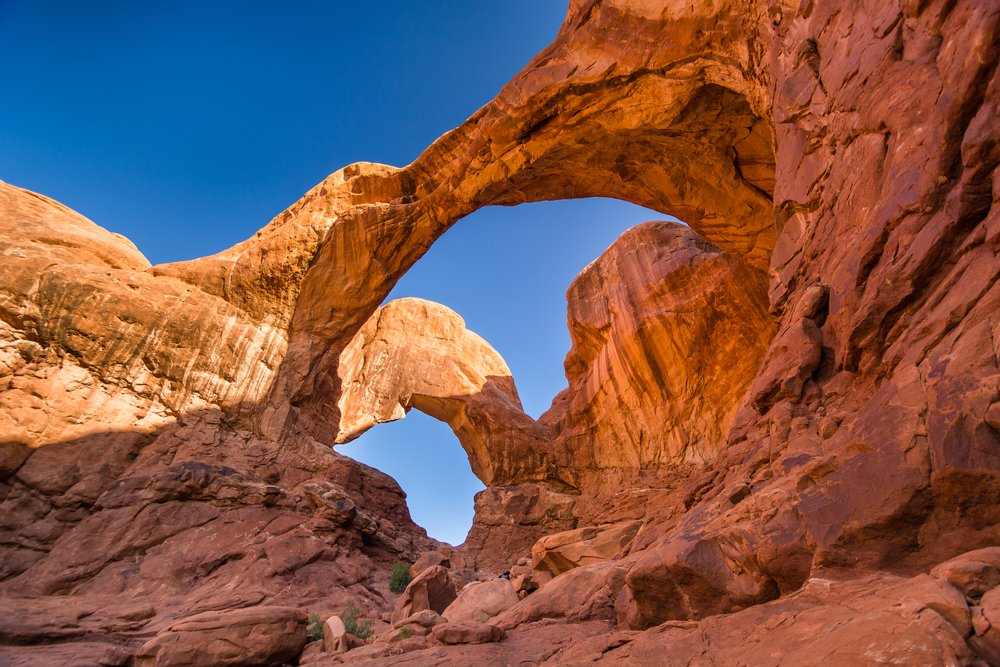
(779, 443)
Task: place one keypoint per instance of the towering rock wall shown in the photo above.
(667, 333)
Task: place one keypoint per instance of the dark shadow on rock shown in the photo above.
(112, 536)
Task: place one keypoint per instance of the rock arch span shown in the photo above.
(871, 438)
(414, 353)
(672, 122)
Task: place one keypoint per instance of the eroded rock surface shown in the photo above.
(668, 332)
(258, 636)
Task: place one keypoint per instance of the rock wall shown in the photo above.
(132, 489)
(668, 332)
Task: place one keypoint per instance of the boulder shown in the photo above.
(333, 635)
(522, 566)
(561, 552)
(584, 593)
(429, 559)
(331, 502)
(467, 632)
(254, 636)
(481, 601)
(973, 573)
(431, 589)
(986, 625)
(312, 651)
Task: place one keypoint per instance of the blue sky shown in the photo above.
(186, 126)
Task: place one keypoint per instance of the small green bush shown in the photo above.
(315, 629)
(400, 578)
(404, 633)
(353, 623)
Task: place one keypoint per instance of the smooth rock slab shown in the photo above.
(247, 637)
(481, 601)
(467, 632)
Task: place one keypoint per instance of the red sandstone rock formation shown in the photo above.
(668, 332)
(417, 354)
(792, 503)
(259, 636)
(130, 485)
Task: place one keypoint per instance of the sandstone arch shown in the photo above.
(588, 116)
(672, 123)
(418, 354)
(870, 443)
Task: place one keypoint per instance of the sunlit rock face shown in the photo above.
(418, 354)
(667, 333)
(846, 151)
(655, 111)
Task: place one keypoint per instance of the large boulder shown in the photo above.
(256, 636)
(973, 573)
(561, 552)
(431, 589)
(429, 559)
(481, 601)
(467, 632)
(584, 593)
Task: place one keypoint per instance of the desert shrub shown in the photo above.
(399, 578)
(404, 633)
(314, 631)
(353, 623)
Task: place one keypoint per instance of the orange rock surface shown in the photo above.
(417, 354)
(668, 331)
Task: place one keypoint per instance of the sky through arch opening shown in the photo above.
(505, 271)
(427, 461)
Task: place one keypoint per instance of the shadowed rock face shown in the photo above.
(849, 150)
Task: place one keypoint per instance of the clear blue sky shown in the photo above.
(186, 126)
